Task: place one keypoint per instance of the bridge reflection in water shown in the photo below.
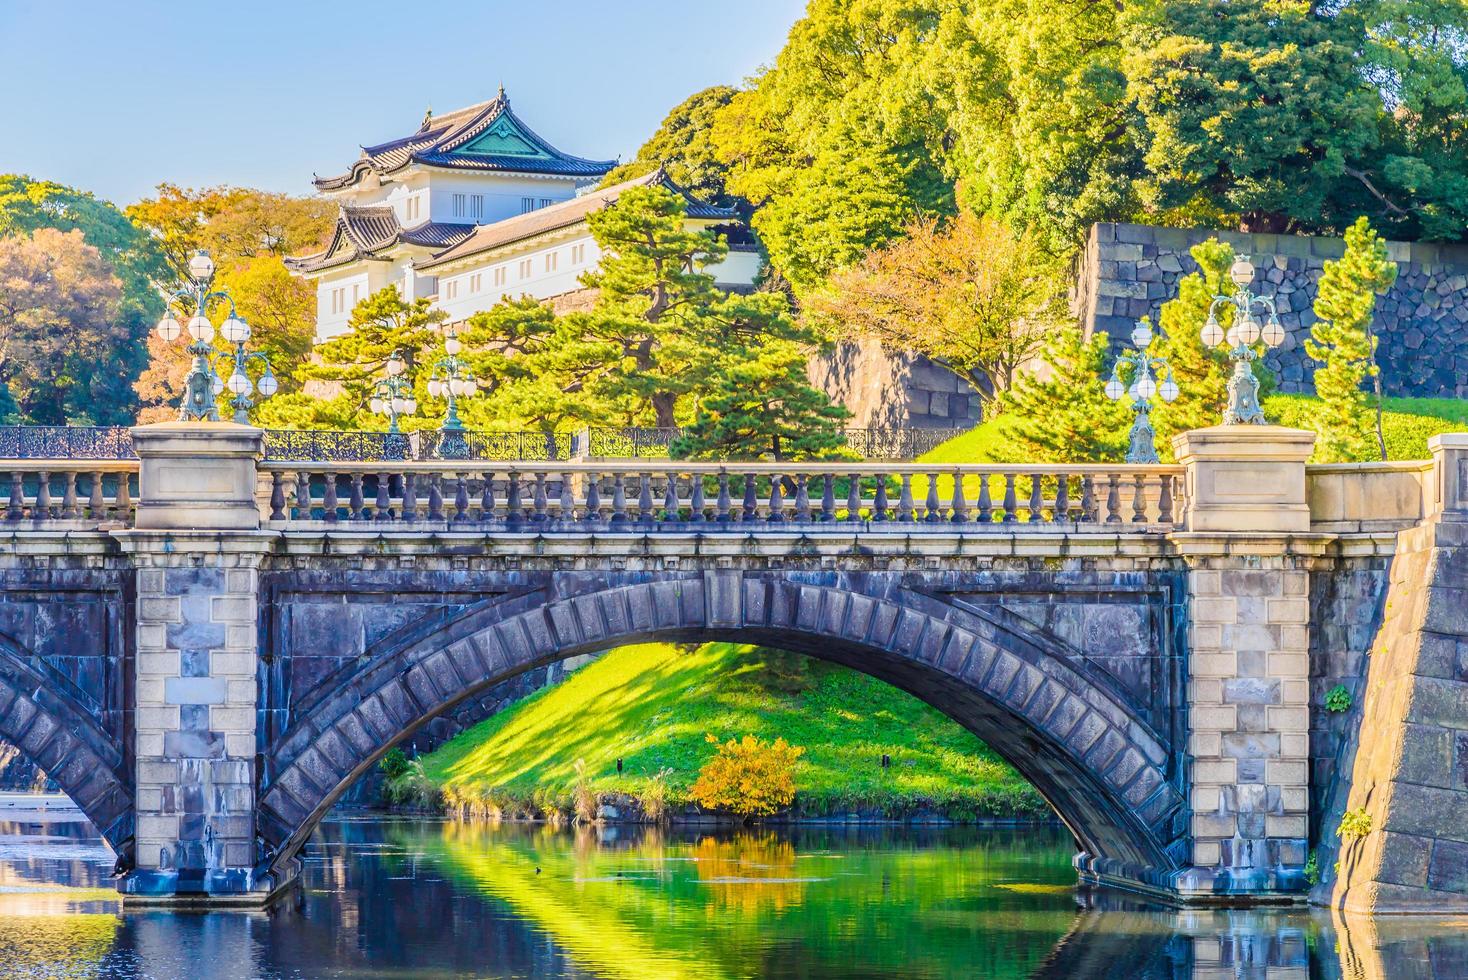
(389, 897)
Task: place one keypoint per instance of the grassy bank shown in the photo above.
(651, 706)
(1406, 425)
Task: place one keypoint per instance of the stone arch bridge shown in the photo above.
(205, 649)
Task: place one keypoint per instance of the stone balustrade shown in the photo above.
(572, 495)
(69, 493)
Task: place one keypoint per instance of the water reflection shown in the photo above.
(401, 898)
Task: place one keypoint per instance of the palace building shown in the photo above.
(473, 208)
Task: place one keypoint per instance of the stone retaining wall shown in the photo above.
(1129, 271)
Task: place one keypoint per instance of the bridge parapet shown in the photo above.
(712, 496)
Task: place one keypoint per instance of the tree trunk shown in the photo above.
(662, 408)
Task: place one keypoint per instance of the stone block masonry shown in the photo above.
(196, 694)
(1129, 271)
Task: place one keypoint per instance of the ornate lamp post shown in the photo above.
(393, 397)
(451, 379)
(204, 383)
(1144, 387)
(1243, 387)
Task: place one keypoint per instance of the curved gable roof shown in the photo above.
(483, 137)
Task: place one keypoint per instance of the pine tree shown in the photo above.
(1063, 415)
(380, 325)
(759, 405)
(1349, 418)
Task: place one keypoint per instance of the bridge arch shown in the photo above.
(1107, 774)
(55, 730)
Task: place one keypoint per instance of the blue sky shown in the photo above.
(116, 96)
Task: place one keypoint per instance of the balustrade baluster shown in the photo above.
(958, 503)
(777, 500)
(124, 497)
(828, 498)
(1088, 498)
(359, 502)
(721, 507)
(853, 497)
(98, 504)
(68, 498)
(932, 514)
(461, 498)
(1062, 499)
(514, 509)
(410, 497)
(1113, 498)
(904, 500)
(802, 499)
(277, 496)
(1037, 499)
(486, 497)
(1164, 499)
(593, 497)
(303, 495)
(1011, 508)
(671, 505)
(566, 500)
(540, 502)
(15, 508)
(986, 506)
(751, 505)
(1139, 499)
(619, 500)
(328, 498)
(695, 502)
(384, 497)
(879, 499)
(644, 498)
(42, 510)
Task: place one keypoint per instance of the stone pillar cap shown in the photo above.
(198, 438)
(1447, 440)
(1272, 442)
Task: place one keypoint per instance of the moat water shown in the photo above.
(390, 897)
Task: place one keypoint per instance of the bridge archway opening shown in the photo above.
(1101, 768)
(45, 721)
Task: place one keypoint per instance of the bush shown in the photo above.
(583, 797)
(1338, 699)
(394, 763)
(748, 777)
(411, 787)
(1355, 823)
(654, 796)
(1312, 869)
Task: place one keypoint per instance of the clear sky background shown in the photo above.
(114, 96)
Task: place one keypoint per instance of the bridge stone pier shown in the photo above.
(206, 648)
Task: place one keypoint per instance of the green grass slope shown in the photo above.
(1406, 425)
(651, 706)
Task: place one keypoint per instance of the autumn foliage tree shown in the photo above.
(1349, 418)
(969, 293)
(747, 776)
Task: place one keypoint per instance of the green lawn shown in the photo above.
(1406, 423)
(651, 705)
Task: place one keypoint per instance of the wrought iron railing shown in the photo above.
(578, 495)
(653, 443)
(66, 442)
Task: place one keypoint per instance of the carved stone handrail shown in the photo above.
(647, 494)
(68, 493)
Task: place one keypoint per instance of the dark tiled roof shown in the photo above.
(566, 214)
(454, 141)
(363, 231)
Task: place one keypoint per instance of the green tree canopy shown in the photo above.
(683, 146)
(1348, 420)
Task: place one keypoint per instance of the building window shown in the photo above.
(475, 281)
(578, 254)
(412, 208)
(546, 202)
(476, 207)
(339, 299)
(500, 275)
(461, 205)
(527, 204)
(356, 293)
(525, 269)
(550, 261)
